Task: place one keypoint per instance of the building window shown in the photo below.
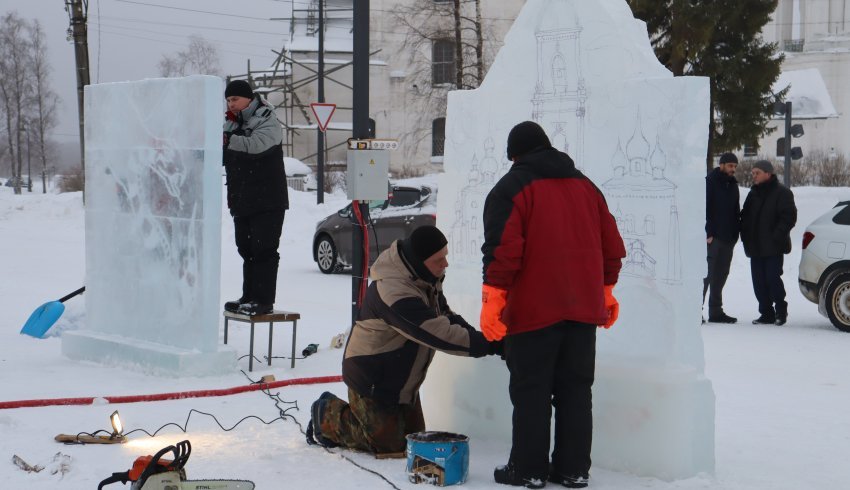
(442, 61)
(751, 149)
(438, 137)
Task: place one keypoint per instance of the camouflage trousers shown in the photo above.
(368, 425)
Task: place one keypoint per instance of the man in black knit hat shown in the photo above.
(256, 193)
(552, 255)
(768, 215)
(722, 225)
(403, 321)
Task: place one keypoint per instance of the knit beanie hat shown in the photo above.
(728, 158)
(239, 88)
(525, 137)
(764, 166)
(424, 242)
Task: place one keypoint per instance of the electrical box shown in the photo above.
(366, 176)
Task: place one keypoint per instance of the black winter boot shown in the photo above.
(764, 320)
(507, 475)
(253, 308)
(233, 306)
(314, 427)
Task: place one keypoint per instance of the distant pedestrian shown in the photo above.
(552, 255)
(256, 193)
(767, 218)
(722, 225)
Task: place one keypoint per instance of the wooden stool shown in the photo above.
(274, 316)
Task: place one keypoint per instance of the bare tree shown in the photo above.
(13, 84)
(46, 101)
(428, 24)
(200, 58)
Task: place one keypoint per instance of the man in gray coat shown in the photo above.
(256, 193)
(767, 218)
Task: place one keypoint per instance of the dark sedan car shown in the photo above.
(407, 208)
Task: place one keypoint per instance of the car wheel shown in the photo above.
(326, 255)
(837, 301)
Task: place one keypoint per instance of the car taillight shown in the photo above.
(807, 239)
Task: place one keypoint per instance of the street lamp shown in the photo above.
(783, 145)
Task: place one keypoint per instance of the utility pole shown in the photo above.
(787, 155)
(360, 130)
(320, 135)
(77, 13)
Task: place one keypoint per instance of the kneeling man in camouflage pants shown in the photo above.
(404, 319)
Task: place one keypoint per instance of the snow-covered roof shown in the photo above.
(295, 166)
(808, 94)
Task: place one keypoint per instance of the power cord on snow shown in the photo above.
(277, 400)
(283, 414)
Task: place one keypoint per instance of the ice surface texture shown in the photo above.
(153, 215)
(586, 73)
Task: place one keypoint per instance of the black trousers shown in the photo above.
(719, 260)
(553, 366)
(257, 240)
(768, 286)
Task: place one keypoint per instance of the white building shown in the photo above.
(815, 37)
(409, 75)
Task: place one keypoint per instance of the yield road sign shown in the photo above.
(323, 113)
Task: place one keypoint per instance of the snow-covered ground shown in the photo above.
(782, 392)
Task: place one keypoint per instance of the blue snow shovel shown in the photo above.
(46, 315)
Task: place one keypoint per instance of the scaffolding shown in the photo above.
(279, 79)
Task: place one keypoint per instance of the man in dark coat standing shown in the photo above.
(767, 218)
(722, 225)
(552, 255)
(256, 193)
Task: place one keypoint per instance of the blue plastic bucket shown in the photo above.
(438, 458)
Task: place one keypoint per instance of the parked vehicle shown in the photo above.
(12, 181)
(407, 208)
(825, 265)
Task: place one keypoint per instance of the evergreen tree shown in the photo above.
(720, 39)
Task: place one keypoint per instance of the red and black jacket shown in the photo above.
(550, 241)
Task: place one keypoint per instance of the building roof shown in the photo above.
(807, 94)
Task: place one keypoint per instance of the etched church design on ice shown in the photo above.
(643, 201)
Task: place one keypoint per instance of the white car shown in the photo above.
(825, 265)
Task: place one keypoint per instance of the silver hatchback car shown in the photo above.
(825, 265)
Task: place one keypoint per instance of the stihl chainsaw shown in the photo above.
(155, 473)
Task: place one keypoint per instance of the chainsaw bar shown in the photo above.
(170, 480)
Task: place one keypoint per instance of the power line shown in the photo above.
(194, 26)
(181, 36)
(193, 10)
(171, 43)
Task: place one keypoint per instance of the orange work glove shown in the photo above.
(492, 303)
(611, 305)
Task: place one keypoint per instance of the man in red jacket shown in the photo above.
(552, 255)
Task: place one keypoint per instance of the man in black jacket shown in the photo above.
(256, 193)
(722, 225)
(767, 218)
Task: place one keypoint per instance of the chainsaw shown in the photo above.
(155, 473)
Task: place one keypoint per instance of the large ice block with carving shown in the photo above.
(585, 71)
(153, 226)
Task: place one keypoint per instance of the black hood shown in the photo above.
(549, 163)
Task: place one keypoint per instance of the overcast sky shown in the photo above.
(127, 38)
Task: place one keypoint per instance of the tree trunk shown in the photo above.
(479, 44)
(709, 157)
(458, 47)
